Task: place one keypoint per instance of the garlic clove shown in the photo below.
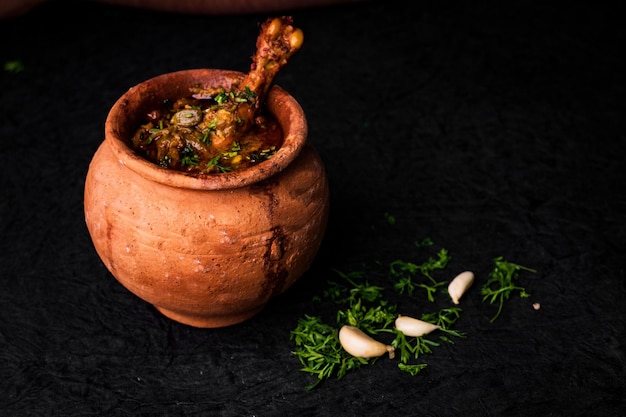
(357, 343)
(414, 327)
(459, 285)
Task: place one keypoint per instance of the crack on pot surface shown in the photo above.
(275, 273)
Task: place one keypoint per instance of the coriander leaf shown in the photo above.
(14, 66)
(412, 369)
(501, 283)
(320, 352)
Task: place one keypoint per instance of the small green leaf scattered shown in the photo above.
(424, 242)
(364, 305)
(406, 272)
(14, 66)
(501, 284)
(412, 369)
(319, 350)
(391, 219)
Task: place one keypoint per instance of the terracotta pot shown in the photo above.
(205, 250)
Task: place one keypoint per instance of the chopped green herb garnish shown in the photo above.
(501, 284)
(320, 352)
(425, 242)
(363, 305)
(14, 66)
(221, 97)
(247, 96)
(210, 129)
(411, 347)
(412, 369)
(406, 272)
(188, 156)
(445, 318)
(350, 294)
(215, 162)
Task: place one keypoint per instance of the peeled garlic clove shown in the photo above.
(357, 343)
(414, 327)
(459, 285)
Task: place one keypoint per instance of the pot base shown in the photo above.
(209, 322)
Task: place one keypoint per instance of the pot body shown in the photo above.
(205, 250)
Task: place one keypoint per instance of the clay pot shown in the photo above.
(205, 250)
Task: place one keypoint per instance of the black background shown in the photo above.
(494, 131)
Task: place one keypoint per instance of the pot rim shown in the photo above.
(124, 116)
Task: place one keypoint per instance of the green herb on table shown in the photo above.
(319, 350)
(412, 369)
(391, 219)
(362, 305)
(502, 283)
(412, 347)
(317, 343)
(424, 242)
(406, 272)
(14, 66)
(445, 318)
(351, 290)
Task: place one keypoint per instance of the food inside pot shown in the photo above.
(216, 130)
(191, 135)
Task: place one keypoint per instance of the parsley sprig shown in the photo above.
(501, 284)
(317, 343)
(412, 347)
(319, 350)
(406, 273)
(14, 66)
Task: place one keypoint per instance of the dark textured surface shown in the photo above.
(493, 131)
